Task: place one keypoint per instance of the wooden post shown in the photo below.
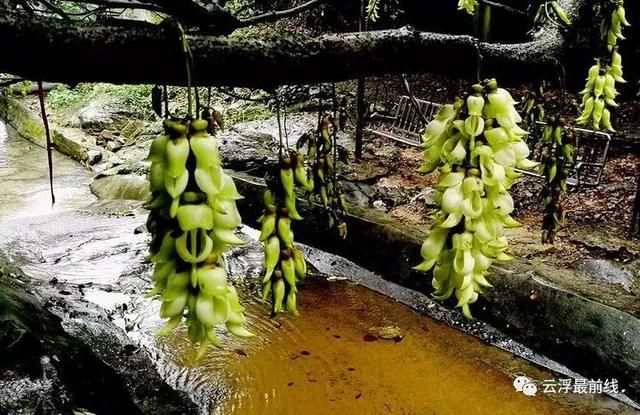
(360, 104)
(360, 109)
(635, 217)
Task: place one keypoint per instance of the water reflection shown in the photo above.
(327, 361)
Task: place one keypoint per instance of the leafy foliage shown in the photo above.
(65, 97)
(134, 98)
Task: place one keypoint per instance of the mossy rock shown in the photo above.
(126, 186)
(70, 147)
(25, 122)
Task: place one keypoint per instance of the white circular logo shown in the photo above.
(519, 382)
(530, 389)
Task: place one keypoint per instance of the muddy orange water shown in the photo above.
(326, 361)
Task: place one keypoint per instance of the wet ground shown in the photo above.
(25, 183)
(335, 357)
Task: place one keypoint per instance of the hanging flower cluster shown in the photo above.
(284, 263)
(468, 5)
(598, 96)
(322, 158)
(533, 107)
(193, 221)
(558, 147)
(475, 144)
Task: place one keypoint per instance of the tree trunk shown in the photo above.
(37, 47)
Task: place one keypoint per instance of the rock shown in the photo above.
(127, 187)
(393, 193)
(358, 194)
(113, 146)
(380, 205)
(603, 270)
(153, 129)
(93, 157)
(74, 143)
(25, 122)
(107, 135)
(103, 138)
(108, 112)
(526, 244)
(387, 333)
(605, 244)
(428, 196)
(47, 369)
(245, 149)
(140, 229)
(130, 159)
(97, 115)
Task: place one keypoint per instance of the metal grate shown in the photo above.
(407, 124)
(591, 152)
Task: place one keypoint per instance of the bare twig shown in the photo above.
(108, 4)
(48, 136)
(502, 6)
(280, 14)
(55, 9)
(212, 19)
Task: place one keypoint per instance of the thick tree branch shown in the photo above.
(54, 50)
(280, 14)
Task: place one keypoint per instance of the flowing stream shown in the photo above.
(333, 358)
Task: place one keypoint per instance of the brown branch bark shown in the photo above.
(55, 50)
